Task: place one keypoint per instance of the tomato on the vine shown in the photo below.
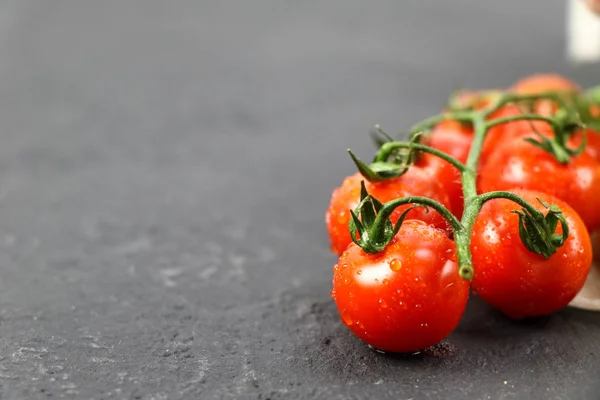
(414, 182)
(517, 281)
(405, 298)
(518, 164)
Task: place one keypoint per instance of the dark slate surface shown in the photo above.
(164, 170)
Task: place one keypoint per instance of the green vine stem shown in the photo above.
(372, 229)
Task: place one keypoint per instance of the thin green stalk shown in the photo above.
(387, 148)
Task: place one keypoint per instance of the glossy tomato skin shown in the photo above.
(516, 281)
(407, 297)
(518, 164)
(455, 139)
(593, 142)
(414, 182)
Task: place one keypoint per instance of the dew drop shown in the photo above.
(395, 265)
(336, 268)
(382, 303)
(385, 282)
(346, 319)
(333, 293)
(359, 272)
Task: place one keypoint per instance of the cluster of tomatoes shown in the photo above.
(408, 295)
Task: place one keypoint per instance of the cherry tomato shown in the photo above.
(517, 281)
(593, 142)
(405, 298)
(499, 134)
(540, 83)
(414, 182)
(455, 139)
(520, 164)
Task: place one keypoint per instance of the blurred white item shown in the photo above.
(583, 33)
(589, 297)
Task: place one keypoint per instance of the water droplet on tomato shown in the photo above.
(346, 319)
(425, 325)
(385, 282)
(345, 265)
(332, 293)
(418, 306)
(416, 279)
(336, 268)
(359, 272)
(402, 305)
(395, 265)
(382, 303)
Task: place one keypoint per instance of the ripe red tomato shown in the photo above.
(455, 139)
(405, 298)
(517, 281)
(593, 142)
(541, 83)
(414, 182)
(499, 134)
(520, 164)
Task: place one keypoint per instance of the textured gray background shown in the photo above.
(164, 170)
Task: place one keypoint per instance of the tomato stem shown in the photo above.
(385, 151)
(536, 230)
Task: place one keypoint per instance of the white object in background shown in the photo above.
(583, 33)
(589, 297)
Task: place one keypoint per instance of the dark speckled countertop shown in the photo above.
(164, 171)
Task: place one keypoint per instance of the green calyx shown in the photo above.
(390, 161)
(557, 147)
(371, 229)
(379, 170)
(538, 232)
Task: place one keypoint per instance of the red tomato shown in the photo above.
(499, 134)
(517, 281)
(520, 164)
(405, 298)
(540, 83)
(414, 182)
(455, 139)
(593, 142)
